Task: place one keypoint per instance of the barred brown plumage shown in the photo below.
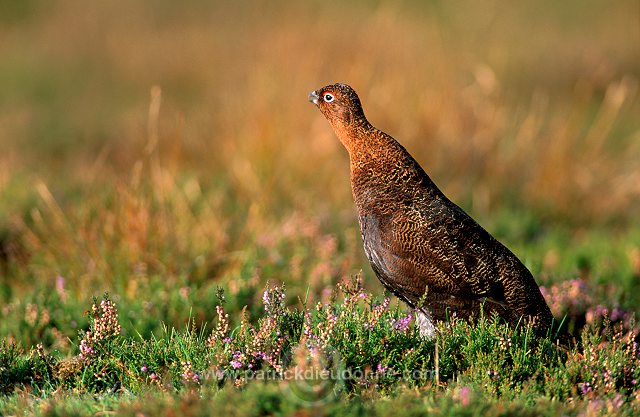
(424, 248)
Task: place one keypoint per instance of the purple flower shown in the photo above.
(402, 324)
(465, 393)
(382, 368)
(144, 368)
(585, 388)
(273, 300)
(235, 364)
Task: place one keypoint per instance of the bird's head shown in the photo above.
(339, 103)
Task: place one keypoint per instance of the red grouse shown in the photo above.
(424, 248)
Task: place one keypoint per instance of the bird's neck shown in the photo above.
(380, 167)
(363, 141)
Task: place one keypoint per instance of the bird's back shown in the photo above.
(423, 246)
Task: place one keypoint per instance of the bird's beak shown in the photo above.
(314, 97)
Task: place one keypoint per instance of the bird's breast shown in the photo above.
(379, 191)
(371, 227)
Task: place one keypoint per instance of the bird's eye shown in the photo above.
(328, 97)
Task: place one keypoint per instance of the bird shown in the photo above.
(423, 247)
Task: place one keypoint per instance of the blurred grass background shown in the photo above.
(160, 149)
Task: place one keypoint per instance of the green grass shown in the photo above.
(353, 352)
(165, 154)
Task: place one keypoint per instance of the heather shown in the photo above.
(177, 232)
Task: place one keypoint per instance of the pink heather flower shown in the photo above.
(545, 293)
(619, 314)
(385, 303)
(382, 368)
(235, 364)
(86, 350)
(144, 368)
(585, 388)
(60, 287)
(465, 394)
(153, 375)
(402, 324)
(589, 316)
(273, 300)
(569, 297)
(617, 401)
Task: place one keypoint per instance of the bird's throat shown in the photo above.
(359, 141)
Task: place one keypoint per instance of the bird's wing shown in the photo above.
(439, 252)
(395, 271)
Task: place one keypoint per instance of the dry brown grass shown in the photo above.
(537, 102)
(141, 138)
